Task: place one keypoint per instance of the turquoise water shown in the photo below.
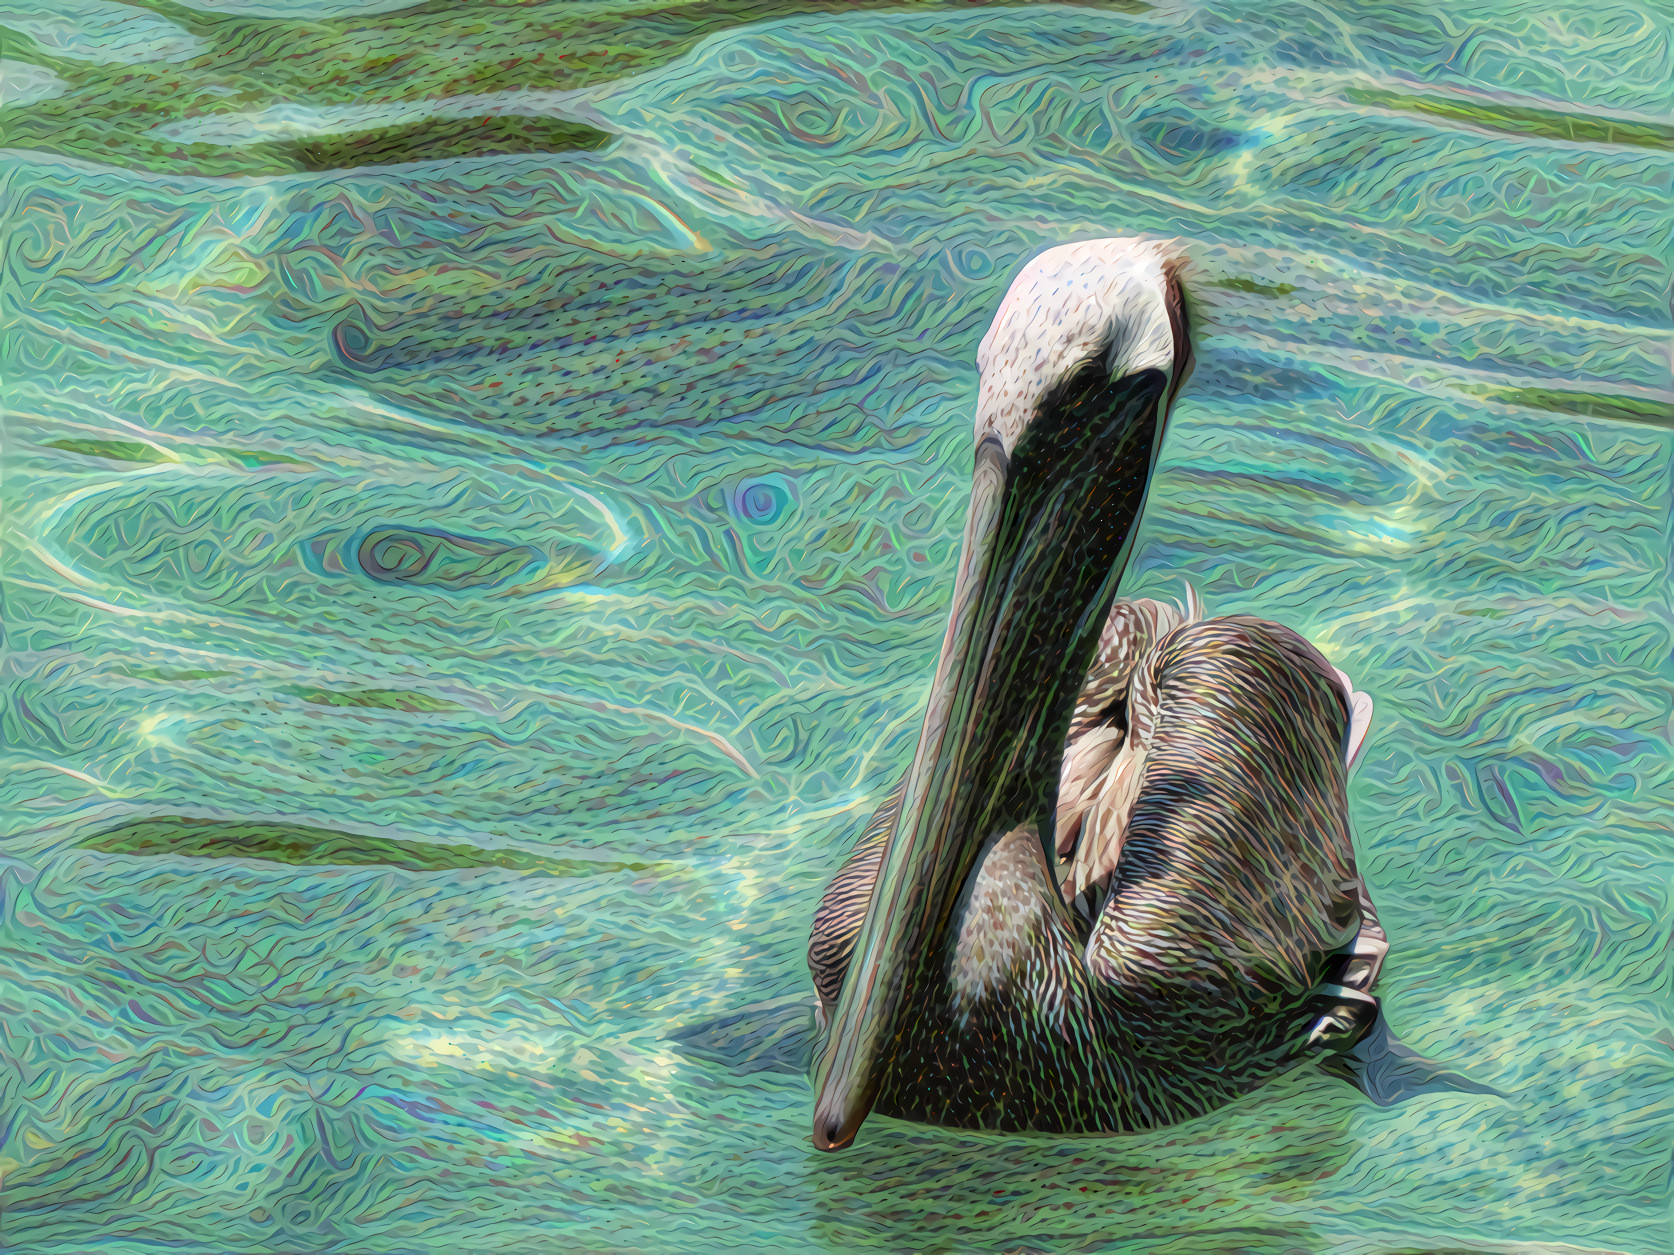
(601, 509)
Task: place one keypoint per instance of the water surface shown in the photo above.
(563, 538)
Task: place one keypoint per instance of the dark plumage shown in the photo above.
(1235, 889)
(1116, 887)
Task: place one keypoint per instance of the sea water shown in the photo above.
(564, 541)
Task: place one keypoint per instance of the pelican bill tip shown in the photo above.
(832, 1132)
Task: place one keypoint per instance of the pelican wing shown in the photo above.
(1130, 632)
(1087, 764)
(1100, 847)
(1360, 717)
(1104, 759)
(1234, 875)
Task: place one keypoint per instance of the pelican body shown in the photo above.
(1116, 886)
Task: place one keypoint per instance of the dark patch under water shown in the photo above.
(1627, 409)
(768, 1037)
(1523, 120)
(111, 450)
(324, 847)
(431, 139)
(148, 454)
(1256, 289)
(375, 699)
(394, 555)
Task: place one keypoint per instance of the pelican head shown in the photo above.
(1078, 373)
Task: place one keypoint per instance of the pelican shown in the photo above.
(1116, 887)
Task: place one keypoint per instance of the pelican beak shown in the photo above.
(1051, 521)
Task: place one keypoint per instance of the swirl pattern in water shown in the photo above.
(484, 486)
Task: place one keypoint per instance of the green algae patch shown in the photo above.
(139, 452)
(376, 699)
(1623, 409)
(1578, 128)
(166, 676)
(118, 114)
(324, 847)
(253, 459)
(1272, 292)
(434, 138)
(113, 450)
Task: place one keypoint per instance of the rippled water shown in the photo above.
(570, 536)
